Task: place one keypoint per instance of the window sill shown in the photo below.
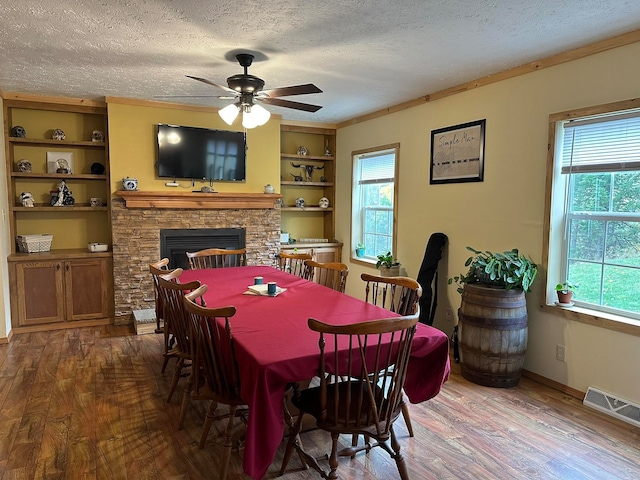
(363, 261)
(593, 317)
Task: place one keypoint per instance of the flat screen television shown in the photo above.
(202, 153)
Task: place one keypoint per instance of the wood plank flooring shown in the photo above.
(90, 404)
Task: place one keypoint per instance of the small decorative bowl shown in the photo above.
(98, 247)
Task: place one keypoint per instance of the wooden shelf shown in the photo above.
(45, 207)
(202, 201)
(64, 176)
(57, 143)
(307, 209)
(59, 254)
(314, 158)
(307, 184)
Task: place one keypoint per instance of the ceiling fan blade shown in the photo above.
(293, 90)
(289, 104)
(213, 84)
(188, 96)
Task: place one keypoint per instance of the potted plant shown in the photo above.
(492, 318)
(389, 267)
(359, 250)
(565, 291)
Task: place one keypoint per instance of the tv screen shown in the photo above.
(191, 152)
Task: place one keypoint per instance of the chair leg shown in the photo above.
(186, 397)
(406, 416)
(227, 444)
(291, 443)
(208, 421)
(333, 459)
(164, 363)
(402, 466)
(176, 377)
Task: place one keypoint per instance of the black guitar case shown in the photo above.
(428, 277)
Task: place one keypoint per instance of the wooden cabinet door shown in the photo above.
(86, 286)
(40, 292)
(327, 254)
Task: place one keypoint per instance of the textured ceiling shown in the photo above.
(364, 54)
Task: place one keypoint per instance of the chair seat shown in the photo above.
(309, 401)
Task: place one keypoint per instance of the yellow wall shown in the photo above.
(506, 210)
(132, 146)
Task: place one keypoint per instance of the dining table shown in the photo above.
(274, 346)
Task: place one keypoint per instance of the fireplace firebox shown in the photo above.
(174, 243)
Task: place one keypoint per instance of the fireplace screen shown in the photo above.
(174, 243)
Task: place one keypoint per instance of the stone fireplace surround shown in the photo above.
(136, 242)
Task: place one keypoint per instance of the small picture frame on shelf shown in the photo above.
(60, 162)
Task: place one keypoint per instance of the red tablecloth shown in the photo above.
(274, 346)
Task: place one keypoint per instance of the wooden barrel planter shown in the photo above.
(492, 335)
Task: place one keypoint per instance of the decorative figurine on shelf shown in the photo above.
(18, 132)
(324, 202)
(97, 168)
(302, 150)
(27, 199)
(296, 178)
(308, 170)
(327, 152)
(58, 134)
(129, 183)
(323, 179)
(62, 166)
(24, 166)
(97, 136)
(64, 197)
(268, 188)
(300, 202)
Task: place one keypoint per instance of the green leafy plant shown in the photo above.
(508, 270)
(566, 287)
(360, 245)
(386, 260)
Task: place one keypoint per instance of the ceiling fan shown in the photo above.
(246, 90)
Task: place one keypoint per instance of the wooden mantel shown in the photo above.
(197, 200)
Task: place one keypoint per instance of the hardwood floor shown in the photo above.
(90, 403)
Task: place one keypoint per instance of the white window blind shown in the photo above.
(602, 144)
(377, 168)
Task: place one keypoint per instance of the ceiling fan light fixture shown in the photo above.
(229, 113)
(254, 116)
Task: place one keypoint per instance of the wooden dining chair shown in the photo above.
(217, 258)
(293, 263)
(330, 274)
(360, 390)
(158, 268)
(215, 370)
(167, 328)
(397, 294)
(172, 294)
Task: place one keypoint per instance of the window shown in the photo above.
(594, 236)
(374, 200)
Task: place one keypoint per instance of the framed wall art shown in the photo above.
(457, 153)
(60, 162)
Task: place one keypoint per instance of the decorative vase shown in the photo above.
(390, 271)
(360, 252)
(564, 297)
(492, 335)
(268, 188)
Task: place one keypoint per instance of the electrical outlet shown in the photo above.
(448, 315)
(561, 352)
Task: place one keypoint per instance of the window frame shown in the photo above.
(553, 229)
(354, 224)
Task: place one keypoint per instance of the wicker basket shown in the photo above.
(34, 243)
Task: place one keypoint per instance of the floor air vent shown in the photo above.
(616, 407)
